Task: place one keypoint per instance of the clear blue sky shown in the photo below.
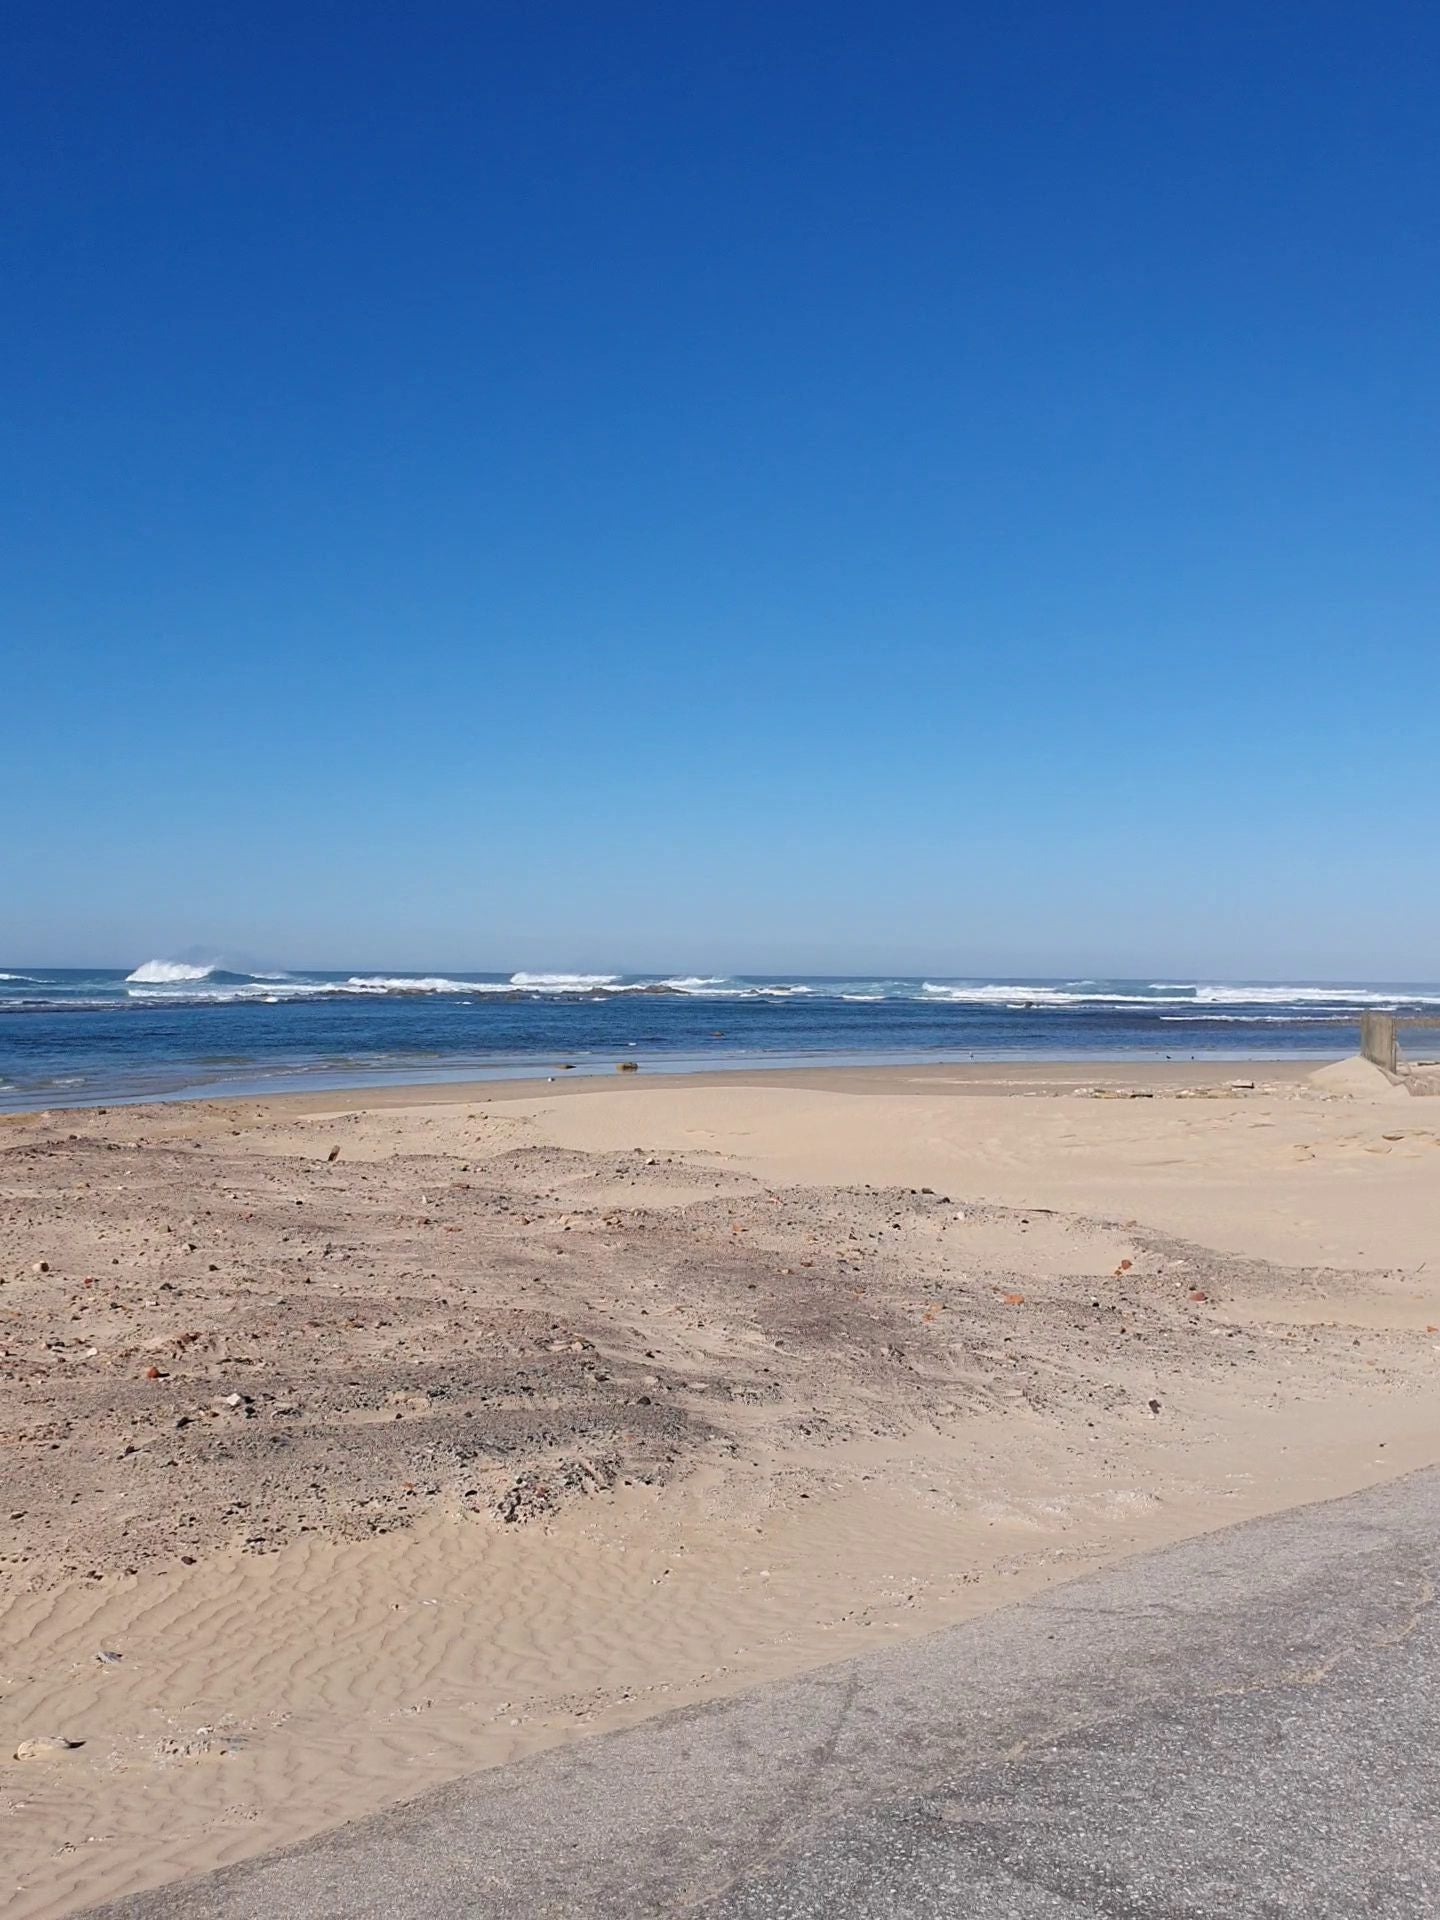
(899, 486)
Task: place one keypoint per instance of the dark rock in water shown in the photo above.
(627, 1066)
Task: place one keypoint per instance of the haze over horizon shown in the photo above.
(820, 489)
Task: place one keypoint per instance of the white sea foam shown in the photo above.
(178, 983)
(402, 983)
(1171, 996)
(24, 979)
(1019, 994)
(563, 982)
(274, 989)
(750, 992)
(1222, 996)
(156, 973)
(198, 994)
(196, 985)
(1256, 1019)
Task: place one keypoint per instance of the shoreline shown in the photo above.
(1000, 1072)
(992, 1079)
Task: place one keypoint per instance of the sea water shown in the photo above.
(170, 1028)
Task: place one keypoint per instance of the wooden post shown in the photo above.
(1377, 1041)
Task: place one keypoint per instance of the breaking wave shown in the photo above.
(156, 973)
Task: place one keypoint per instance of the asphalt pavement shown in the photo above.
(1246, 1726)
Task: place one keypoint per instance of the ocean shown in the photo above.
(171, 1029)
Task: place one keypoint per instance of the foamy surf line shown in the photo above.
(175, 982)
(1164, 998)
(205, 981)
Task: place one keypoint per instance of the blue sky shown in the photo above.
(918, 487)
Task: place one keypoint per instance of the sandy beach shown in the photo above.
(352, 1443)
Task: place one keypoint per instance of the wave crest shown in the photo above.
(164, 973)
